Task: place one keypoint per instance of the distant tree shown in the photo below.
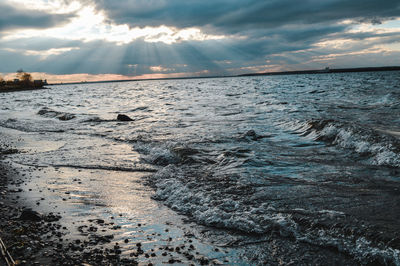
(24, 77)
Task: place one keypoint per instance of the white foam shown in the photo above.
(380, 153)
(161, 154)
(207, 207)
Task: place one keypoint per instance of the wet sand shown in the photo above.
(78, 226)
(151, 234)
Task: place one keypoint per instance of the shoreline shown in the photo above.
(101, 234)
(22, 89)
(92, 239)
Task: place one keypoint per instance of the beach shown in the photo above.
(299, 169)
(156, 237)
(54, 239)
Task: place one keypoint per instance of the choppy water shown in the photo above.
(313, 159)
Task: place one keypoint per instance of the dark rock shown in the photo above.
(203, 261)
(124, 118)
(29, 215)
(93, 229)
(251, 133)
(65, 117)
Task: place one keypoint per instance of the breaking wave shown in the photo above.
(226, 202)
(164, 154)
(377, 146)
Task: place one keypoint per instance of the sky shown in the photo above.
(91, 40)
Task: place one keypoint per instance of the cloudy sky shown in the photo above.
(77, 40)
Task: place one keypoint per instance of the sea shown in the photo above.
(288, 169)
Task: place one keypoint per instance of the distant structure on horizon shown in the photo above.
(22, 82)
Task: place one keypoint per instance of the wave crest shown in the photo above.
(50, 113)
(380, 148)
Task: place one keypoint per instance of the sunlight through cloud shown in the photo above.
(43, 54)
(91, 25)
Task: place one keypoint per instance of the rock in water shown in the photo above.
(251, 133)
(121, 117)
(65, 117)
(29, 215)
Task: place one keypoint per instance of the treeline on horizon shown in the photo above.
(326, 70)
(22, 81)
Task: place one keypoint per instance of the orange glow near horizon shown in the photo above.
(84, 77)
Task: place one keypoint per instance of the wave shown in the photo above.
(225, 202)
(97, 119)
(50, 113)
(29, 126)
(164, 154)
(141, 108)
(379, 147)
(110, 168)
(209, 194)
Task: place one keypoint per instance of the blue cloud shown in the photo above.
(282, 32)
(236, 15)
(17, 17)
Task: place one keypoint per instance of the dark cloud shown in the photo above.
(287, 46)
(236, 15)
(16, 17)
(276, 32)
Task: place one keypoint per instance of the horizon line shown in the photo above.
(326, 70)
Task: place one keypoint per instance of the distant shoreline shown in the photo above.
(22, 89)
(295, 72)
(326, 71)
